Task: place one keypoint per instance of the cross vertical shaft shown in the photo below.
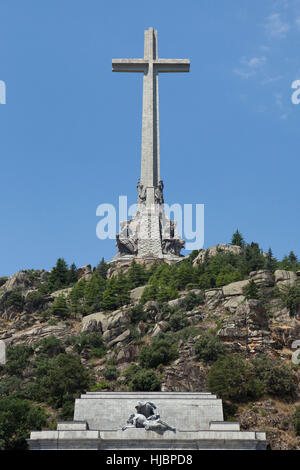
(150, 167)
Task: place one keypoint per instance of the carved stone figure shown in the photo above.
(141, 192)
(147, 419)
(172, 246)
(171, 242)
(146, 409)
(127, 241)
(159, 198)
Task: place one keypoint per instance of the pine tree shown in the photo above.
(237, 239)
(78, 291)
(60, 307)
(185, 275)
(94, 289)
(137, 274)
(110, 295)
(72, 274)
(254, 258)
(102, 268)
(123, 286)
(292, 258)
(116, 292)
(270, 261)
(251, 290)
(59, 276)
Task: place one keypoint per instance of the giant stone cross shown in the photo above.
(143, 235)
(150, 66)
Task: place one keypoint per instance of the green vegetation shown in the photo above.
(10, 385)
(251, 290)
(234, 378)
(178, 321)
(276, 377)
(116, 292)
(296, 420)
(60, 307)
(237, 239)
(271, 263)
(93, 292)
(290, 297)
(137, 274)
(102, 385)
(34, 300)
(61, 276)
(92, 342)
(209, 348)
(191, 301)
(289, 263)
(59, 380)
(223, 268)
(137, 314)
(17, 359)
(51, 346)
(17, 418)
(163, 282)
(161, 351)
(102, 268)
(13, 299)
(111, 373)
(140, 380)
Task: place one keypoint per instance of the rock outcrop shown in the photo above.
(249, 329)
(33, 335)
(286, 278)
(24, 281)
(85, 272)
(214, 250)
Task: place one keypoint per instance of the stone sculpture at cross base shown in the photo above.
(150, 234)
(191, 421)
(145, 417)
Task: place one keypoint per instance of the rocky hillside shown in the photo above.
(223, 320)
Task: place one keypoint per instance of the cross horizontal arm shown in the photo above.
(129, 65)
(171, 65)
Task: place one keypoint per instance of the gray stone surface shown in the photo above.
(196, 409)
(136, 294)
(99, 416)
(285, 278)
(72, 426)
(262, 278)
(235, 288)
(233, 302)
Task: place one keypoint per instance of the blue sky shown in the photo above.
(71, 129)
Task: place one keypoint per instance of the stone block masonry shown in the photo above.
(100, 416)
